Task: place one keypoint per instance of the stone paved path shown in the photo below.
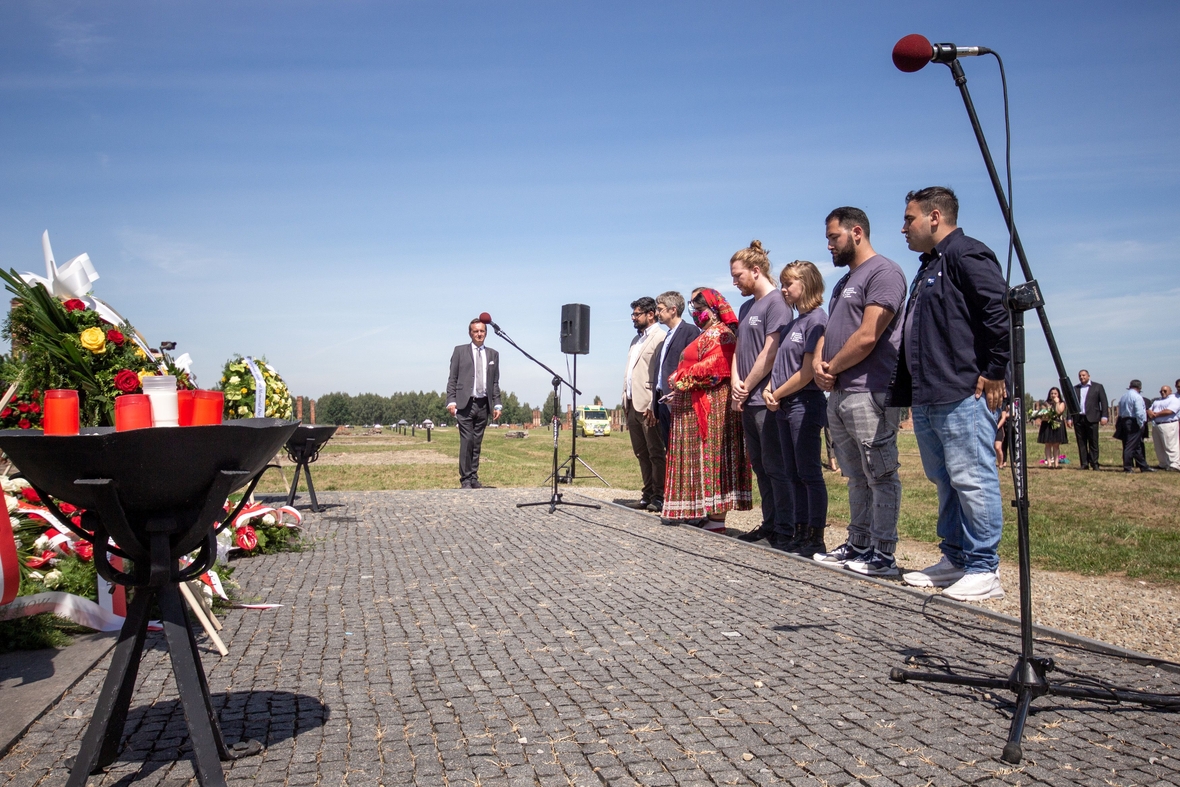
(449, 638)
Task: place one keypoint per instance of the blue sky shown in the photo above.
(341, 186)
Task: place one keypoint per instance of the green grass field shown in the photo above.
(1092, 523)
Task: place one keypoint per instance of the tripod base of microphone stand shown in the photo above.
(556, 501)
(1027, 681)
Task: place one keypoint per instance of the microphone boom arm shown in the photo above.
(556, 377)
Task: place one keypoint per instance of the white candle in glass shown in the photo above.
(161, 389)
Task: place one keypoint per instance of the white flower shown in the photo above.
(12, 503)
(53, 579)
(268, 519)
(37, 575)
(243, 409)
(235, 380)
(41, 544)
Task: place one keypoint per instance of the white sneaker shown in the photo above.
(976, 587)
(942, 574)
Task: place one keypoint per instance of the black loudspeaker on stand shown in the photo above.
(1029, 677)
(575, 341)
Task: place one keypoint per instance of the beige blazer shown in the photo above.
(644, 371)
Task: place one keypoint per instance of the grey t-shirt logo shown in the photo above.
(797, 337)
(849, 292)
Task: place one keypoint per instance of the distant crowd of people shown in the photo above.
(709, 402)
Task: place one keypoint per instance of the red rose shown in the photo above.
(77, 520)
(127, 381)
(84, 550)
(115, 337)
(74, 305)
(66, 508)
(30, 494)
(25, 424)
(34, 408)
(7, 411)
(36, 393)
(247, 539)
(23, 407)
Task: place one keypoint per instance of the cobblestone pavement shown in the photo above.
(449, 638)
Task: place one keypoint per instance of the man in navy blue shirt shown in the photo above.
(951, 371)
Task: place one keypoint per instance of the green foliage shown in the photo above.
(68, 348)
(276, 539)
(238, 384)
(413, 406)
(37, 632)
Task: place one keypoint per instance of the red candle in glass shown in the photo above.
(133, 411)
(207, 407)
(60, 412)
(184, 404)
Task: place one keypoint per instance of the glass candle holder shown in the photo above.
(165, 405)
(184, 404)
(133, 411)
(60, 412)
(207, 407)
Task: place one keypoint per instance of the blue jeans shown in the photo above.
(958, 455)
(801, 422)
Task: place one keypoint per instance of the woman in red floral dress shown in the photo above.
(708, 473)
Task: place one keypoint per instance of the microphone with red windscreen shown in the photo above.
(486, 319)
(913, 52)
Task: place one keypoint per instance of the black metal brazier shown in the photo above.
(303, 448)
(158, 494)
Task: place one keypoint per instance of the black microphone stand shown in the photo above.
(555, 499)
(1028, 679)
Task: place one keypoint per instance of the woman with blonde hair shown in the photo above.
(801, 406)
(707, 470)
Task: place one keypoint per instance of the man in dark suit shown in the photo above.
(669, 311)
(1092, 398)
(473, 385)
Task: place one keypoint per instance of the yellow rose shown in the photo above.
(145, 374)
(94, 339)
(140, 353)
(245, 390)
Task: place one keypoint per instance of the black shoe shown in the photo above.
(671, 522)
(640, 505)
(782, 539)
(812, 543)
(757, 534)
(476, 485)
(656, 505)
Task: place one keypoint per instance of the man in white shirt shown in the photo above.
(639, 404)
(1164, 415)
(473, 385)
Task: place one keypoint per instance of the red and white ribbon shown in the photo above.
(284, 516)
(9, 562)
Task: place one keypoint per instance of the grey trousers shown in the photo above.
(864, 435)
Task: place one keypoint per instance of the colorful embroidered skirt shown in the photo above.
(710, 475)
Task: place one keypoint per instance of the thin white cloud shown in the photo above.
(176, 257)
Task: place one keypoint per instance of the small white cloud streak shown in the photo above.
(176, 257)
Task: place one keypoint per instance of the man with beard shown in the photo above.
(951, 370)
(638, 384)
(1092, 398)
(855, 361)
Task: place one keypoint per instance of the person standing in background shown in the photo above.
(669, 311)
(1164, 415)
(1129, 429)
(1092, 400)
(473, 384)
(1052, 432)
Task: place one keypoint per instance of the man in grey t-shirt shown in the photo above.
(759, 320)
(855, 362)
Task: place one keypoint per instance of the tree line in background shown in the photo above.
(414, 407)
